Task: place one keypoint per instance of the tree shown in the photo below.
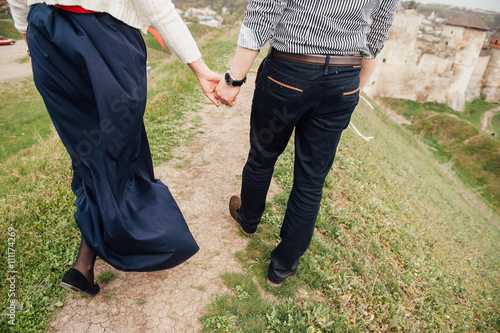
(412, 5)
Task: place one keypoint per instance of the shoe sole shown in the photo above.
(73, 288)
(244, 232)
(272, 284)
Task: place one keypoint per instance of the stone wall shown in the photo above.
(437, 72)
(451, 35)
(415, 69)
(395, 73)
(491, 79)
(476, 81)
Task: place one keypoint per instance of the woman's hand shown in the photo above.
(208, 80)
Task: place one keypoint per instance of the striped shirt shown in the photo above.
(337, 27)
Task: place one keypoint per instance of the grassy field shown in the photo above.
(23, 118)
(457, 138)
(495, 123)
(400, 246)
(7, 29)
(36, 201)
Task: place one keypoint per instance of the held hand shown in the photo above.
(226, 94)
(208, 80)
(242, 61)
(208, 84)
(25, 37)
(367, 68)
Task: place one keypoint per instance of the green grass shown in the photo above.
(199, 30)
(414, 111)
(106, 277)
(23, 118)
(35, 188)
(476, 109)
(8, 30)
(400, 245)
(495, 123)
(37, 203)
(24, 60)
(155, 51)
(457, 138)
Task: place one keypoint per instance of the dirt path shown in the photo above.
(173, 300)
(10, 68)
(486, 121)
(397, 118)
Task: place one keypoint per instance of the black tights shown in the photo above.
(85, 260)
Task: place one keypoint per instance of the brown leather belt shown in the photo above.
(318, 59)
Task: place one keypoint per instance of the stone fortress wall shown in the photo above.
(451, 72)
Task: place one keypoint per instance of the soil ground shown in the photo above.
(486, 121)
(10, 67)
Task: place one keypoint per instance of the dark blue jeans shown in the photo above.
(316, 101)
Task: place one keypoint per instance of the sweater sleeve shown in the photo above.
(19, 10)
(161, 14)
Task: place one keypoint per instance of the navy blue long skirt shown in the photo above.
(91, 72)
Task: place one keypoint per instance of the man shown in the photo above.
(322, 54)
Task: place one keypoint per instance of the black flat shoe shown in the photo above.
(76, 281)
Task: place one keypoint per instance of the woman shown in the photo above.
(89, 65)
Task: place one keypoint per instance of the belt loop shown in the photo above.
(327, 64)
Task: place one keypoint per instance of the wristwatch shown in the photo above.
(231, 81)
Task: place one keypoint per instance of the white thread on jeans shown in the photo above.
(355, 130)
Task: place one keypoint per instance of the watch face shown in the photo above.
(232, 82)
(228, 79)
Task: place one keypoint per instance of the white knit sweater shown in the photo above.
(160, 14)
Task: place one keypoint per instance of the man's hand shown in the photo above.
(367, 68)
(226, 94)
(242, 61)
(208, 80)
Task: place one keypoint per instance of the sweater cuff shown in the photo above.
(21, 27)
(189, 58)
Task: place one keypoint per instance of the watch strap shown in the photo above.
(231, 81)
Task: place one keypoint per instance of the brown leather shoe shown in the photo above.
(234, 206)
(274, 284)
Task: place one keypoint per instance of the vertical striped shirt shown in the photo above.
(337, 27)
